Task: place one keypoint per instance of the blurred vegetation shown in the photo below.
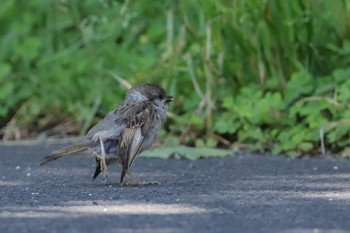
(270, 75)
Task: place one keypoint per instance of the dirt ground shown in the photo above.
(242, 193)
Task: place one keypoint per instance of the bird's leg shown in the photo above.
(122, 175)
(100, 167)
(102, 157)
(134, 180)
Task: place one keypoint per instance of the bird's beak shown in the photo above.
(168, 99)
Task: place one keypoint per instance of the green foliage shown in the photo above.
(271, 75)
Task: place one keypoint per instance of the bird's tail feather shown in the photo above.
(65, 151)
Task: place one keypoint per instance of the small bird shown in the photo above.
(125, 132)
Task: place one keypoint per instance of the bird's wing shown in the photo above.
(105, 128)
(135, 118)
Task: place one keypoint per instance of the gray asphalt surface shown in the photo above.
(243, 193)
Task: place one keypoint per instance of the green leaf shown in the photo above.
(6, 89)
(305, 146)
(5, 69)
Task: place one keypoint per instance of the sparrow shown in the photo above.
(124, 132)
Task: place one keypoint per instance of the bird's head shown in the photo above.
(151, 92)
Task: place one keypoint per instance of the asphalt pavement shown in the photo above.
(241, 193)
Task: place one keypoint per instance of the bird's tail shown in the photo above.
(65, 151)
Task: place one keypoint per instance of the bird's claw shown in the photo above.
(104, 169)
(138, 182)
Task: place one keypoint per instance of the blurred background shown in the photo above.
(267, 75)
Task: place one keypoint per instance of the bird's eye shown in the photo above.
(160, 96)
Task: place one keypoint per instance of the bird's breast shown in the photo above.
(155, 124)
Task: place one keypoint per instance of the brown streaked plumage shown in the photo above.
(125, 132)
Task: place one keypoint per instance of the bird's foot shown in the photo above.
(103, 166)
(138, 182)
(132, 182)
